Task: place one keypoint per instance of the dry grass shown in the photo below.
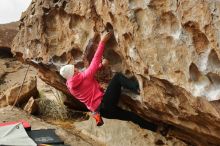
(52, 109)
(55, 109)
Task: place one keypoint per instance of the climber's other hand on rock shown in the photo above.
(106, 36)
(105, 62)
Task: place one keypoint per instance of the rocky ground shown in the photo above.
(85, 133)
(67, 133)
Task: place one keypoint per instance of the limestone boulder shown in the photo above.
(150, 37)
(191, 119)
(171, 47)
(28, 90)
(31, 107)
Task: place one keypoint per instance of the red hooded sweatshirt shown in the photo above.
(84, 86)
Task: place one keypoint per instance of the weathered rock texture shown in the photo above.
(31, 107)
(29, 88)
(192, 119)
(171, 46)
(7, 34)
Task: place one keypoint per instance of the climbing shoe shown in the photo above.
(98, 119)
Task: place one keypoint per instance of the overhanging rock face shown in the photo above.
(172, 47)
(192, 119)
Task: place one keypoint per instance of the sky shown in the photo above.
(10, 10)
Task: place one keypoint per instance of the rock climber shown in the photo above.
(84, 87)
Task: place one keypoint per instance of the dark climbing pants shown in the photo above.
(109, 108)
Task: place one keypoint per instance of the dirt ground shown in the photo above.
(64, 129)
